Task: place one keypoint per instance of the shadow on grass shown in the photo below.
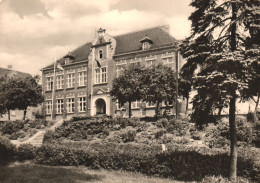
(30, 173)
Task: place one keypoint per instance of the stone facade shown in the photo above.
(83, 87)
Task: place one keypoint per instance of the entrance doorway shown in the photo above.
(100, 106)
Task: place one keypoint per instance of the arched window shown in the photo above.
(100, 54)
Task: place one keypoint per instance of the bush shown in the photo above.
(7, 150)
(250, 117)
(183, 163)
(159, 133)
(162, 123)
(195, 135)
(26, 152)
(128, 136)
(178, 127)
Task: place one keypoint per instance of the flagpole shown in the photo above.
(53, 89)
(92, 82)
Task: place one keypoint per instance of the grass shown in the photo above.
(30, 173)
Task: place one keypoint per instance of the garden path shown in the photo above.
(37, 138)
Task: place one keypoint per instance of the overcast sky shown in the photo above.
(34, 32)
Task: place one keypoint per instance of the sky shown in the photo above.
(35, 32)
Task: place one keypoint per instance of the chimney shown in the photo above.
(9, 67)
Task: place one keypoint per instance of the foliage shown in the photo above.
(178, 127)
(162, 123)
(127, 86)
(25, 152)
(159, 85)
(20, 92)
(250, 117)
(183, 163)
(7, 150)
(128, 136)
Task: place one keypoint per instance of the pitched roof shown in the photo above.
(10, 73)
(81, 53)
(131, 42)
(126, 43)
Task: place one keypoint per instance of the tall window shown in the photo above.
(70, 80)
(59, 104)
(59, 82)
(82, 104)
(168, 61)
(48, 106)
(149, 63)
(49, 83)
(70, 105)
(82, 76)
(101, 75)
(100, 54)
(146, 46)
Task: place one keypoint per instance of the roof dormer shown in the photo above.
(146, 43)
(68, 58)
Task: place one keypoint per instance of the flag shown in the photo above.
(98, 63)
(59, 66)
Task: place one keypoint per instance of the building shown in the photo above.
(83, 87)
(17, 114)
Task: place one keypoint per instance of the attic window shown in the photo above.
(100, 54)
(146, 43)
(146, 46)
(67, 61)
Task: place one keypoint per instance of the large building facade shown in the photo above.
(83, 86)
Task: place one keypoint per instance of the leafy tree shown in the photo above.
(20, 92)
(216, 58)
(159, 85)
(127, 86)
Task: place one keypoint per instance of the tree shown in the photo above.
(159, 85)
(20, 92)
(216, 58)
(127, 86)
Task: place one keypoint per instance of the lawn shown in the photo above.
(32, 173)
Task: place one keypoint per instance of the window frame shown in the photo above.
(100, 75)
(71, 80)
(49, 83)
(59, 82)
(70, 105)
(48, 106)
(82, 104)
(100, 54)
(82, 78)
(59, 106)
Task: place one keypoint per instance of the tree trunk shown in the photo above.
(233, 140)
(24, 113)
(220, 110)
(129, 110)
(187, 106)
(157, 110)
(256, 106)
(9, 118)
(232, 105)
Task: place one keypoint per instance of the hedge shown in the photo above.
(179, 162)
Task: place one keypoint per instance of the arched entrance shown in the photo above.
(100, 106)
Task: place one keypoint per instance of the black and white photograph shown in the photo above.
(130, 91)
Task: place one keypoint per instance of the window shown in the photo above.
(48, 107)
(70, 80)
(82, 78)
(70, 105)
(149, 63)
(135, 104)
(82, 104)
(59, 82)
(67, 61)
(150, 104)
(168, 61)
(49, 83)
(59, 104)
(146, 46)
(101, 75)
(100, 54)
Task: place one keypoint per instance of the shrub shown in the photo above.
(128, 136)
(162, 123)
(195, 135)
(178, 127)
(26, 152)
(250, 117)
(7, 150)
(159, 133)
